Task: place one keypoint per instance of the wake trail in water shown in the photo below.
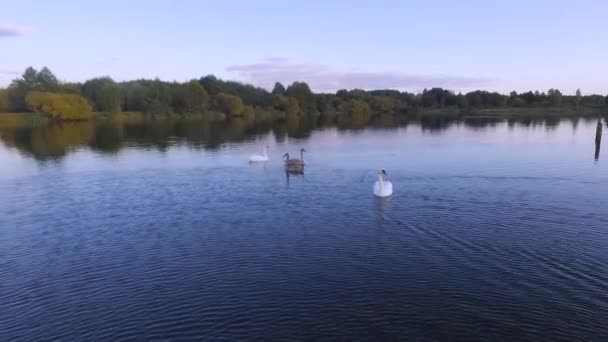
(390, 218)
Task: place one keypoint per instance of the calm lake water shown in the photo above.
(497, 231)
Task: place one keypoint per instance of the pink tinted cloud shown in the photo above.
(323, 78)
(10, 31)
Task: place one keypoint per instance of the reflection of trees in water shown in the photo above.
(574, 121)
(436, 123)
(150, 134)
(551, 123)
(482, 122)
(294, 126)
(194, 133)
(49, 142)
(384, 120)
(110, 136)
(530, 121)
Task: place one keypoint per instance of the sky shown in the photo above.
(406, 45)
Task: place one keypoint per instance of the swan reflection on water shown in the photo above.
(383, 203)
(289, 174)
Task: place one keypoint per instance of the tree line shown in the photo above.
(210, 97)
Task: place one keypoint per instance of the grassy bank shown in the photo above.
(8, 120)
(213, 116)
(516, 112)
(11, 120)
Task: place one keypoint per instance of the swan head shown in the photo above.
(382, 172)
(286, 155)
(303, 150)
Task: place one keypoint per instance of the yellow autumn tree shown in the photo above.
(59, 106)
(231, 105)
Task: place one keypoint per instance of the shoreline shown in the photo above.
(8, 120)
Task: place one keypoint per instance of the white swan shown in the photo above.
(258, 158)
(382, 188)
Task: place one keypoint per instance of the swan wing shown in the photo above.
(383, 190)
(377, 189)
(257, 158)
(388, 188)
(293, 162)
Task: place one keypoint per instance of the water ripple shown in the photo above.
(234, 252)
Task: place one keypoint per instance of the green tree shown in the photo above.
(278, 89)
(436, 97)
(30, 80)
(112, 98)
(461, 101)
(47, 80)
(579, 98)
(59, 106)
(382, 105)
(230, 104)
(4, 100)
(358, 112)
(158, 98)
(501, 101)
(474, 99)
(134, 95)
(104, 94)
(293, 107)
(517, 102)
(212, 85)
(70, 88)
(43, 80)
(289, 105)
(190, 97)
(301, 92)
(555, 97)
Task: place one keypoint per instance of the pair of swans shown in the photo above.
(382, 187)
(289, 163)
(294, 165)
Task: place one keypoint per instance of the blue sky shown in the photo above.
(408, 45)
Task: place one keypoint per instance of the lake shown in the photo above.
(497, 230)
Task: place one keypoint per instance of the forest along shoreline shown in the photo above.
(39, 97)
